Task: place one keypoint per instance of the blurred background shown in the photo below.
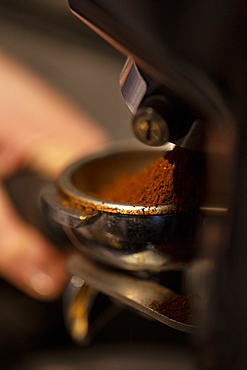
(48, 38)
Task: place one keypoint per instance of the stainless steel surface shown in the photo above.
(132, 237)
(133, 86)
(132, 291)
(196, 137)
(78, 300)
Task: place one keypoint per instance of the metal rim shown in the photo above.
(70, 191)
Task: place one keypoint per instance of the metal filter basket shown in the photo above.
(132, 237)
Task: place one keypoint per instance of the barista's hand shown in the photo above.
(42, 131)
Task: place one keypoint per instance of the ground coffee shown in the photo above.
(182, 308)
(175, 178)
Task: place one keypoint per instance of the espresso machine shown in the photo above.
(185, 83)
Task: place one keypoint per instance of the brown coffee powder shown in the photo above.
(172, 179)
(182, 308)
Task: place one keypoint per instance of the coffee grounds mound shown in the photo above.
(174, 179)
(182, 308)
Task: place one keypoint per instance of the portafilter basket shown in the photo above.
(132, 237)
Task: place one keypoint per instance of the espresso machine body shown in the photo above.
(185, 76)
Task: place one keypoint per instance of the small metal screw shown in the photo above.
(149, 127)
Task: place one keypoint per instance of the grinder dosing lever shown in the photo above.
(158, 115)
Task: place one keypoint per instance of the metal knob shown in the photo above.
(150, 127)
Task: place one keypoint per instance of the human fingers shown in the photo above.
(27, 259)
(42, 131)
